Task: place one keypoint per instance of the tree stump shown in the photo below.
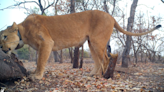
(10, 67)
(111, 67)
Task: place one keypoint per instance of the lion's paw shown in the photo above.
(35, 76)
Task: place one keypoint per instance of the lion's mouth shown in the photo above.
(6, 51)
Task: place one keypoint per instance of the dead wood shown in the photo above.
(111, 67)
(10, 67)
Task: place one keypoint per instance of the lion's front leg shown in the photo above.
(43, 54)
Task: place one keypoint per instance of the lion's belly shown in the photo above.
(66, 43)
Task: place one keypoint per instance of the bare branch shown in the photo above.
(114, 4)
(50, 5)
(120, 38)
(41, 7)
(3, 27)
(105, 6)
(45, 3)
(162, 1)
(56, 7)
(145, 6)
(84, 6)
(18, 4)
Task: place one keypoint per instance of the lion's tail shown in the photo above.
(117, 26)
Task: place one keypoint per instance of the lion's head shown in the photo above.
(9, 39)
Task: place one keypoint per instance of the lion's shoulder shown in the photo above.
(32, 19)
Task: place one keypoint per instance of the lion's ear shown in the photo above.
(14, 27)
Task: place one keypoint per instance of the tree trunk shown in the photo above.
(111, 66)
(153, 57)
(61, 56)
(141, 56)
(56, 57)
(105, 6)
(114, 4)
(41, 7)
(81, 61)
(149, 57)
(10, 67)
(76, 51)
(72, 7)
(110, 70)
(70, 53)
(127, 48)
(56, 8)
(108, 50)
(76, 57)
(159, 57)
(136, 59)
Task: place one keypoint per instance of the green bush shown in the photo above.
(23, 53)
(85, 54)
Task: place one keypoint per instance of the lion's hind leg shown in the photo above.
(97, 64)
(99, 55)
(100, 58)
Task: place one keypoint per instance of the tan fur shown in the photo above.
(47, 33)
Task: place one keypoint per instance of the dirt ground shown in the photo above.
(142, 77)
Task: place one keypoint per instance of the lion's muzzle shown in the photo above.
(6, 50)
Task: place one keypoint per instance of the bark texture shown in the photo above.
(11, 67)
(76, 58)
(111, 67)
(125, 54)
(81, 61)
(76, 51)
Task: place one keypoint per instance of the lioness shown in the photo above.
(47, 33)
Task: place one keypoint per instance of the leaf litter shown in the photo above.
(62, 78)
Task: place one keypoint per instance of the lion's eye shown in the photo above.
(5, 37)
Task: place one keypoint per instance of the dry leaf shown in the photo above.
(137, 73)
(88, 86)
(118, 75)
(43, 78)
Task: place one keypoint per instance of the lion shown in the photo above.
(52, 33)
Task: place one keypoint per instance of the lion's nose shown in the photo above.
(5, 51)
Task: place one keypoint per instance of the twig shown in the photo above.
(49, 5)
(3, 27)
(114, 4)
(18, 4)
(3, 84)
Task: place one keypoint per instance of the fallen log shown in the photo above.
(10, 67)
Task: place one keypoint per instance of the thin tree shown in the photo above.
(61, 56)
(56, 56)
(112, 61)
(76, 58)
(81, 61)
(70, 53)
(76, 51)
(125, 54)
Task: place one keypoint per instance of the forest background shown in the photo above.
(148, 13)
